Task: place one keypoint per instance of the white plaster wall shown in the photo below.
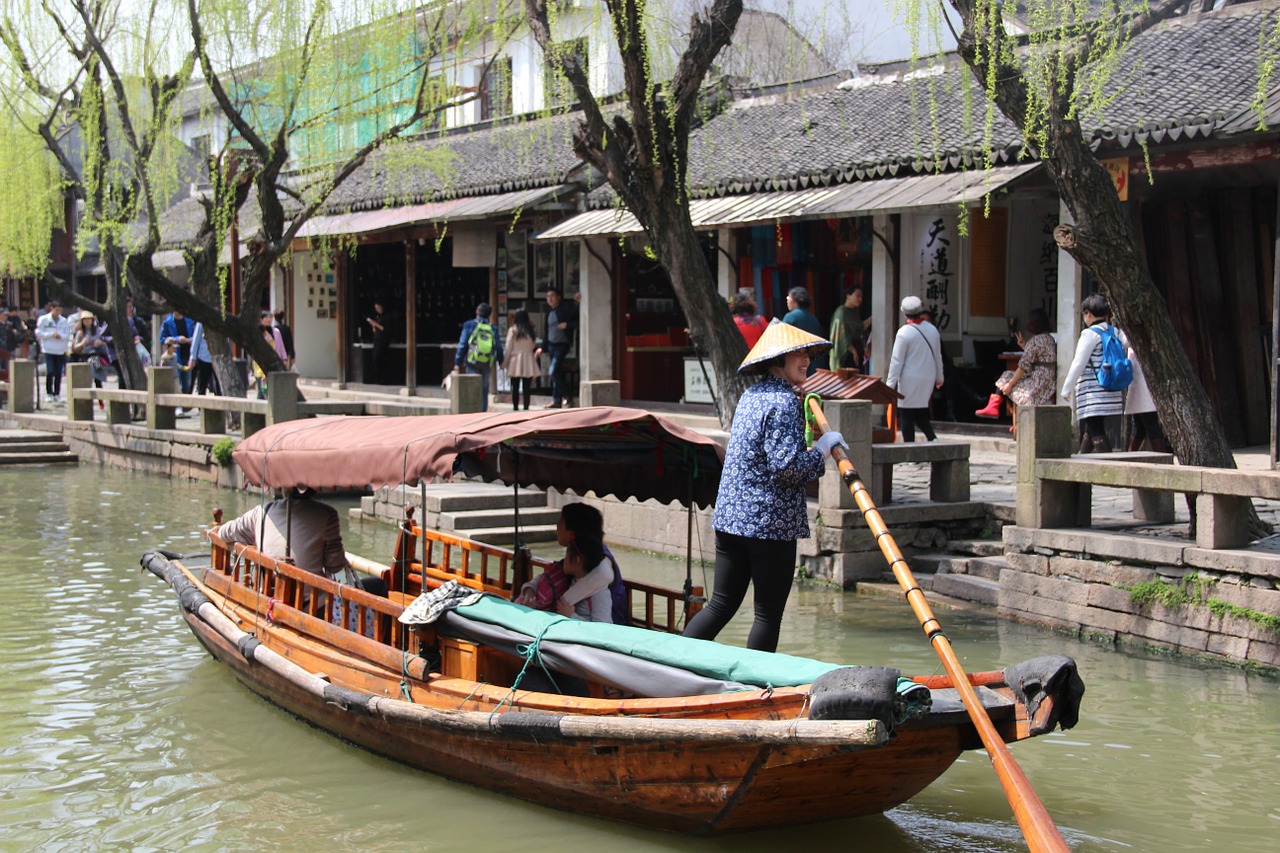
(595, 337)
(314, 339)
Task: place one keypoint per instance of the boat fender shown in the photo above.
(531, 725)
(349, 700)
(189, 595)
(1049, 675)
(247, 645)
(855, 693)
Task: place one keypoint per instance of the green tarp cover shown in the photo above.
(704, 657)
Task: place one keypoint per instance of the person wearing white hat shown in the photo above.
(760, 508)
(915, 369)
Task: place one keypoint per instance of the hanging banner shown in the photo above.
(1118, 169)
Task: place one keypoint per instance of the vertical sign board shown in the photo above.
(1118, 169)
(696, 386)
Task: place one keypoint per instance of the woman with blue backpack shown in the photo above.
(1099, 373)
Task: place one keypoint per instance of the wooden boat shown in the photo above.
(676, 734)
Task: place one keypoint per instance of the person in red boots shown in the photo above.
(1031, 383)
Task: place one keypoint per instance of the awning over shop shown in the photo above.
(453, 210)
(890, 195)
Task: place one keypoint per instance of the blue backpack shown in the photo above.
(1116, 371)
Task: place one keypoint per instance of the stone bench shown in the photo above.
(948, 469)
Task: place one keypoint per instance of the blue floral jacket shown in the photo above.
(767, 466)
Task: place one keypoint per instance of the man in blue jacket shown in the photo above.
(479, 348)
(562, 325)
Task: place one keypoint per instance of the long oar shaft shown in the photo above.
(1033, 818)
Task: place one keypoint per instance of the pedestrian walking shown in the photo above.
(915, 369)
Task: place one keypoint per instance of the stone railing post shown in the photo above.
(465, 391)
(282, 397)
(161, 380)
(852, 419)
(79, 380)
(1044, 432)
(22, 381)
(601, 392)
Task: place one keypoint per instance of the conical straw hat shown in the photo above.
(778, 339)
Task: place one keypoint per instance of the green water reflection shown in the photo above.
(118, 732)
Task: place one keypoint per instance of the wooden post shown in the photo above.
(410, 316)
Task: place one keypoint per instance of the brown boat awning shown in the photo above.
(627, 453)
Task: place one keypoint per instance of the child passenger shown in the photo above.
(582, 558)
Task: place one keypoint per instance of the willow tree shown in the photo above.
(642, 151)
(1045, 83)
(291, 95)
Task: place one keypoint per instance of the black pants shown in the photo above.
(1146, 425)
(769, 565)
(53, 367)
(517, 384)
(909, 419)
(203, 377)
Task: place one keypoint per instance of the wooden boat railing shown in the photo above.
(500, 571)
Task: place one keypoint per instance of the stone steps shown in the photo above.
(475, 510)
(468, 520)
(976, 547)
(29, 447)
(507, 535)
(968, 588)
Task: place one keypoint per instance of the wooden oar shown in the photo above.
(1033, 818)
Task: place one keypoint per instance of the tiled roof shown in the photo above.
(523, 154)
(1188, 78)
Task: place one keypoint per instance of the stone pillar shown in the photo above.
(852, 419)
(596, 321)
(465, 391)
(119, 412)
(1070, 284)
(213, 421)
(1044, 432)
(282, 397)
(79, 381)
(884, 297)
(604, 392)
(160, 380)
(22, 380)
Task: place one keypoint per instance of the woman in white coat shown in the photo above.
(1140, 407)
(915, 369)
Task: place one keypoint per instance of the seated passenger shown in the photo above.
(579, 522)
(304, 531)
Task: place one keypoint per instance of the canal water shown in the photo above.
(118, 732)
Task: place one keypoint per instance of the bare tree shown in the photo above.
(643, 153)
(1041, 89)
(297, 80)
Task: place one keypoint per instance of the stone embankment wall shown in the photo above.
(171, 453)
(1083, 581)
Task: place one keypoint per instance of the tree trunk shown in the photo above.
(710, 323)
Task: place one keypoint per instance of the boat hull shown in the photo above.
(687, 786)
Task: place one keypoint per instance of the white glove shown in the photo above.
(829, 440)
